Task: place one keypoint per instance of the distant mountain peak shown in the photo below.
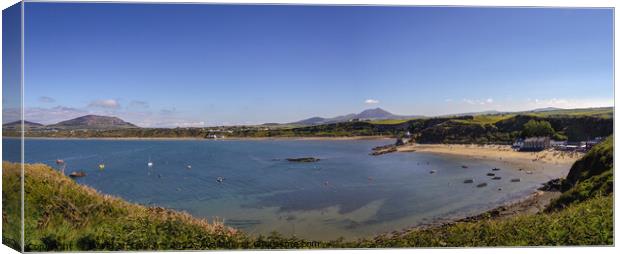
(94, 122)
(27, 124)
(368, 114)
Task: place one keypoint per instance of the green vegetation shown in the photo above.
(392, 121)
(485, 119)
(589, 177)
(62, 215)
(535, 128)
(587, 223)
(572, 125)
(606, 112)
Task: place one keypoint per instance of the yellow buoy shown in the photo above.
(101, 166)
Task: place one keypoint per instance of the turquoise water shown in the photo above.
(348, 193)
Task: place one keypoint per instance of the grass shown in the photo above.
(63, 215)
(605, 112)
(590, 176)
(392, 121)
(587, 223)
(485, 119)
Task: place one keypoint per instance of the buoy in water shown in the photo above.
(101, 166)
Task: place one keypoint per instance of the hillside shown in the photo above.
(17, 124)
(93, 122)
(590, 176)
(62, 215)
(369, 114)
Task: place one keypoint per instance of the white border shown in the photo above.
(513, 3)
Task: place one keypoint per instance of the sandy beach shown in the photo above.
(495, 152)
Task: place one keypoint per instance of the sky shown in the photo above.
(205, 65)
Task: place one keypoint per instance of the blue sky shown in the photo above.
(196, 65)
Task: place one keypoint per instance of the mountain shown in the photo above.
(369, 114)
(27, 125)
(93, 122)
(545, 109)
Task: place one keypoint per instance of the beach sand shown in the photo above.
(495, 152)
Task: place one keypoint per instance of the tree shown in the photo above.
(535, 128)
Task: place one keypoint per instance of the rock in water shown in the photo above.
(303, 159)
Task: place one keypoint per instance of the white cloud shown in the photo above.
(478, 102)
(371, 101)
(107, 103)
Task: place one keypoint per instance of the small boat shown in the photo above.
(496, 178)
(189, 166)
(490, 174)
(60, 162)
(220, 179)
(433, 171)
(468, 181)
(101, 166)
(150, 163)
(514, 180)
(495, 169)
(464, 166)
(481, 185)
(77, 174)
(529, 172)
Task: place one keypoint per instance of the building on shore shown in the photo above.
(535, 144)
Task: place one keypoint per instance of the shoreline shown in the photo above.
(207, 139)
(495, 152)
(530, 203)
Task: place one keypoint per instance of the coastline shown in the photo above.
(206, 139)
(495, 152)
(527, 204)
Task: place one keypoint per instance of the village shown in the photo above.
(533, 144)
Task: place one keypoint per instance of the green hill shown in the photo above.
(63, 215)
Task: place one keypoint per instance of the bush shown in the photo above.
(535, 128)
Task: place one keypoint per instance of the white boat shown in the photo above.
(150, 163)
